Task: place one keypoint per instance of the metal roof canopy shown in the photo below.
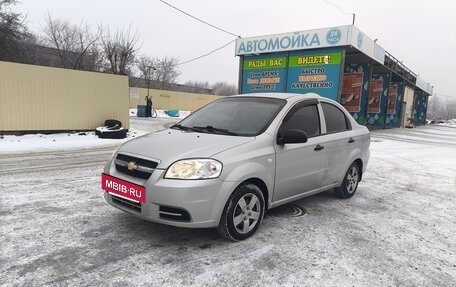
(359, 48)
(397, 70)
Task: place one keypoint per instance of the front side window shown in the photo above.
(305, 118)
(246, 116)
(336, 121)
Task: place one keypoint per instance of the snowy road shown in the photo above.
(398, 230)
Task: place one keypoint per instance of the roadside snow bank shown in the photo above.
(61, 141)
(46, 142)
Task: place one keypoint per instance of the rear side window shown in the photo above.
(336, 121)
(305, 119)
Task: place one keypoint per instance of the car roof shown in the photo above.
(281, 95)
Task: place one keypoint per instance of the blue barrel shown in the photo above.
(142, 111)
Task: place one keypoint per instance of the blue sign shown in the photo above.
(264, 73)
(333, 36)
(300, 40)
(315, 71)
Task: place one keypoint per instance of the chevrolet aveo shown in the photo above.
(229, 162)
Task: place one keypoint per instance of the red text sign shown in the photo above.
(123, 188)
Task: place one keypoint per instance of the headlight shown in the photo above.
(194, 169)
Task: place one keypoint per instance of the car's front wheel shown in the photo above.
(243, 213)
(350, 183)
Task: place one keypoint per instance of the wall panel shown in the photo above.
(47, 99)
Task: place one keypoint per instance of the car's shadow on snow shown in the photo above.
(131, 228)
(138, 229)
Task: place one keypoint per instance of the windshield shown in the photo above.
(246, 116)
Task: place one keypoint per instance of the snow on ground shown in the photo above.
(59, 141)
(448, 123)
(82, 140)
(162, 114)
(398, 230)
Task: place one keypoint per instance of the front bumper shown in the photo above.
(202, 200)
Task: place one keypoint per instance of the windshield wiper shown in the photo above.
(184, 128)
(211, 129)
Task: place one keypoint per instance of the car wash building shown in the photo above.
(340, 63)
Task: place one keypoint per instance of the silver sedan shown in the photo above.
(229, 162)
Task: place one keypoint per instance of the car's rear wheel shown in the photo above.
(348, 187)
(243, 213)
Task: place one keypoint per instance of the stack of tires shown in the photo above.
(111, 130)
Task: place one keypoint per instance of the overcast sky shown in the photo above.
(420, 33)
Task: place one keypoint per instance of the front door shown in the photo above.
(300, 167)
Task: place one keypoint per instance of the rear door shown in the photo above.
(300, 167)
(339, 142)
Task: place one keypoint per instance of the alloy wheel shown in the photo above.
(352, 179)
(246, 213)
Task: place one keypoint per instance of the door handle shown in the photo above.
(351, 140)
(318, 147)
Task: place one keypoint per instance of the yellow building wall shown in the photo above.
(170, 100)
(40, 98)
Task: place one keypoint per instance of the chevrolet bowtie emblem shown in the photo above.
(132, 165)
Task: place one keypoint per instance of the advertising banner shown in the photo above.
(355, 85)
(394, 105)
(352, 86)
(315, 71)
(392, 97)
(375, 94)
(377, 100)
(264, 73)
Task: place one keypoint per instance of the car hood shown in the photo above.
(168, 146)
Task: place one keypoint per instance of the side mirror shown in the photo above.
(292, 136)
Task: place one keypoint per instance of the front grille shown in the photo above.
(135, 206)
(174, 213)
(142, 168)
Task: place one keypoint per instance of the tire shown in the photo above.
(104, 133)
(99, 130)
(350, 184)
(112, 123)
(153, 113)
(245, 207)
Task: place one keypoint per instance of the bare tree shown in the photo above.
(219, 88)
(119, 50)
(224, 89)
(76, 45)
(14, 35)
(145, 65)
(198, 84)
(441, 107)
(88, 49)
(162, 71)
